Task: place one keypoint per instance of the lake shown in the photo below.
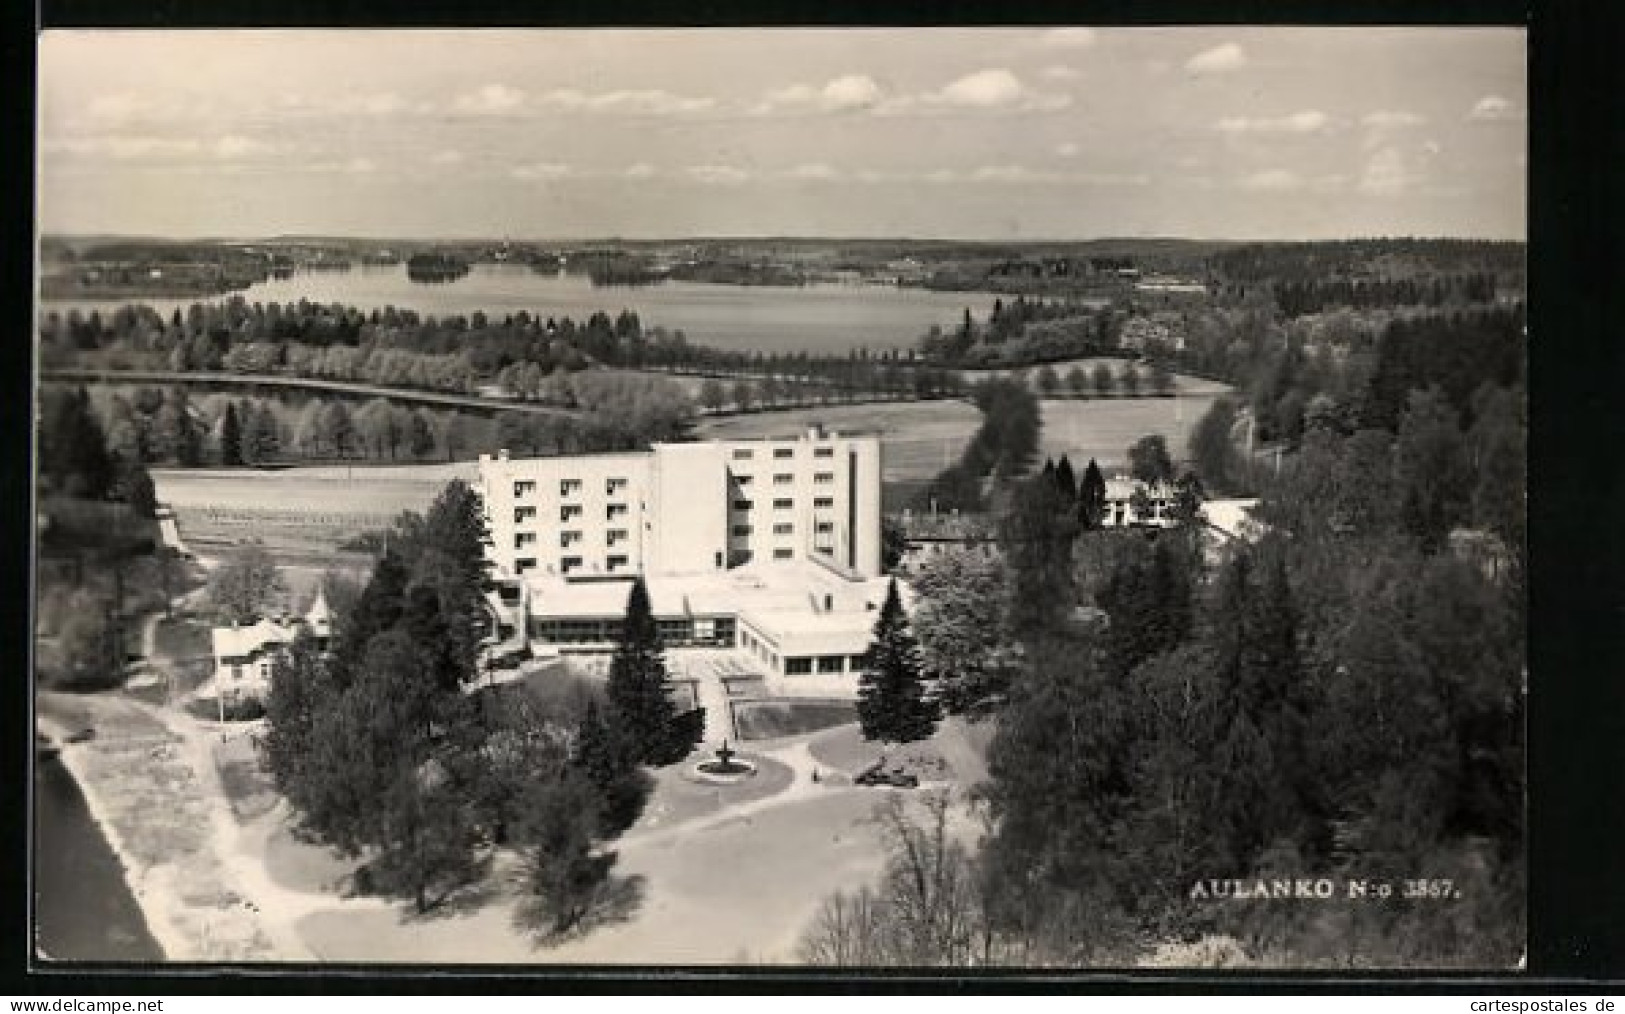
(813, 318)
(84, 909)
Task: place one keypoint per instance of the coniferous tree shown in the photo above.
(449, 552)
(262, 434)
(1091, 497)
(1065, 480)
(892, 706)
(602, 754)
(1037, 533)
(231, 438)
(379, 608)
(73, 450)
(639, 688)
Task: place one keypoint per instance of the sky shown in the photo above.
(1068, 133)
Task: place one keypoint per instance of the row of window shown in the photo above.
(715, 632)
(613, 537)
(569, 512)
(568, 487)
(613, 563)
(785, 528)
(787, 503)
(747, 453)
(803, 665)
(786, 478)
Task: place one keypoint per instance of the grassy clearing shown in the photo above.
(248, 788)
(301, 514)
(772, 719)
(1104, 429)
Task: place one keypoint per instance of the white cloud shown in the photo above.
(842, 94)
(128, 148)
(1069, 38)
(1306, 122)
(1389, 172)
(992, 90)
(1059, 73)
(623, 101)
(374, 104)
(540, 171)
(1392, 119)
(1003, 174)
(1010, 173)
(1219, 59)
(813, 171)
(725, 175)
(639, 171)
(125, 108)
(490, 100)
(233, 146)
(447, 156)
(1493, 108)
(1271, 180)
(986, 89)
(356, 166)
(1067, 149)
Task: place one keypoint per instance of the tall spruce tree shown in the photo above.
(231, 438)
(639, 688)
(1091, 497)
(380, 606)
(892, 706)
(1066, 481)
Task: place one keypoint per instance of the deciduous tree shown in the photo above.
(244, 587)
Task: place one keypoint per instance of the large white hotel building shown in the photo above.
(767, 545)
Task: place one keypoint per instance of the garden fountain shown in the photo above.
(725, 767)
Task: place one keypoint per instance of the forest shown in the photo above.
(1341, 699)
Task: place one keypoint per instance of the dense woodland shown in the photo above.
(388, 748)
(1342, 698)
(98, 562)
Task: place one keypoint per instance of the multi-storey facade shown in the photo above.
(771, 546)
(687, 508)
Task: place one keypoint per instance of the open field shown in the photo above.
(921, 438)
(301, 514)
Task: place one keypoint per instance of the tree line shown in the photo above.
(168, 425)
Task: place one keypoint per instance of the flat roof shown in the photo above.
(779, 598)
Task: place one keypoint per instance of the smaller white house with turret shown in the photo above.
(245, 653)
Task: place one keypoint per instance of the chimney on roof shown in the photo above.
(502, 454)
